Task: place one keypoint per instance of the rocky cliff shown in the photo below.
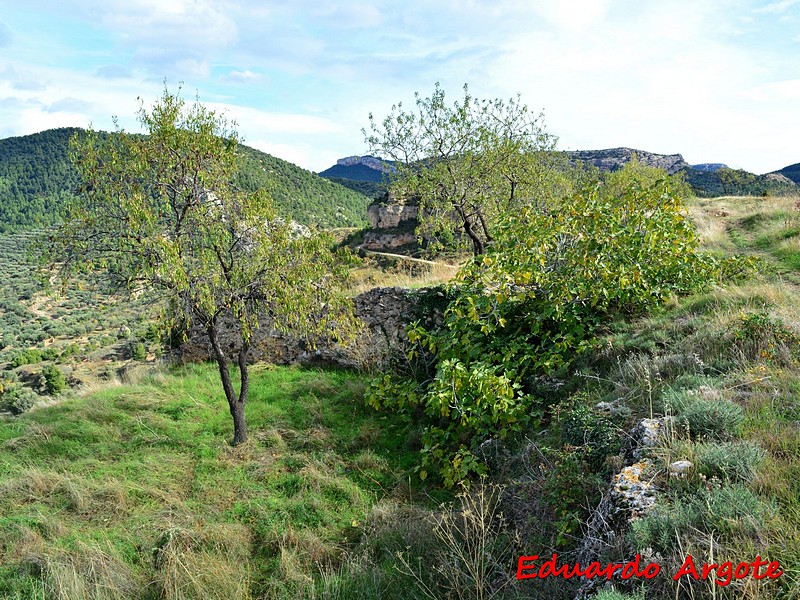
(359, 168)
(614, 158)
(385, 216)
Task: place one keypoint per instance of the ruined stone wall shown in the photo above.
(385, 312)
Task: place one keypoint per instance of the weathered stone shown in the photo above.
(376, 240)
(613, 159)
(680, 468)
(386, 216)
(384, 312)
(647, 434)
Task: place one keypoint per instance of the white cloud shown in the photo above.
(777, 7)
(710, 78)
(245, 76)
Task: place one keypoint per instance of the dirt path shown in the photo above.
(411, 258)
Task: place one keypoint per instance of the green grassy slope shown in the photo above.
(134, 492)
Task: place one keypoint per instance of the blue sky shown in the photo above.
(716, 80)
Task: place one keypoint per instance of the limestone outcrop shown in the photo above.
(385, 216)
(614, 158)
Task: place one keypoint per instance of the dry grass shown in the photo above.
(401, 272)
(196, 561)
(87, 571)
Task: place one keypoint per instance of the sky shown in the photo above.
(714, 80)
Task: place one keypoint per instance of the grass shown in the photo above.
(136, 488)
(726, 364)
(132, 491)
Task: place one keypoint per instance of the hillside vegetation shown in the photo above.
(792, 172)
(132, 492)
(37, 179)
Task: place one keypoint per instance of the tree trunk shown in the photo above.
(235, 404)
(477, 243)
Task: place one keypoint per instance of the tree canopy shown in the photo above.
(159, 211)
(468, 163)
(532, 304)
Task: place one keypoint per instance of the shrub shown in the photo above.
(529, 307)
(31, 356)
(601, 438)
(761, 337)
(709, 415)
(54, 381)
(729, 461)
(19, 399)
(137, 350)
(726, 511)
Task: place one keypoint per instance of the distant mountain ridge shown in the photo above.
(706, 179)
(791, 172)
(360, 168)
(37, 179)
(612, 159)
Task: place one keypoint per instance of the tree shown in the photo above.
(532, 304)
(736, 181)
(159, 211)
(469, 163)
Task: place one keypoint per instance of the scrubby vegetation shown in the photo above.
(493, 437)
(132, 492)
(85, 331)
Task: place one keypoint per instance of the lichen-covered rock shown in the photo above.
(629, 496)
(647, 434)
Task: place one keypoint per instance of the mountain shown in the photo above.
(709, 167)
(302, 195)
(37, 178)
(364, 174)
(613, 159)
(360, 168)
(791, 172)
(706, 180)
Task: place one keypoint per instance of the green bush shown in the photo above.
(137, 350)
(18, 399)
(54, 381)
(530, 306)
(761, 337)
(595, 432)
(31, 356)
(613, 594)
(712, 417)
(725, 511)
(729, 461)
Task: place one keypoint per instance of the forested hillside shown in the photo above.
(792, 172)
(301, 194)
(36, 180)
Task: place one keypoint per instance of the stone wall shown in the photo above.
(386, 216)
(384, 312)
